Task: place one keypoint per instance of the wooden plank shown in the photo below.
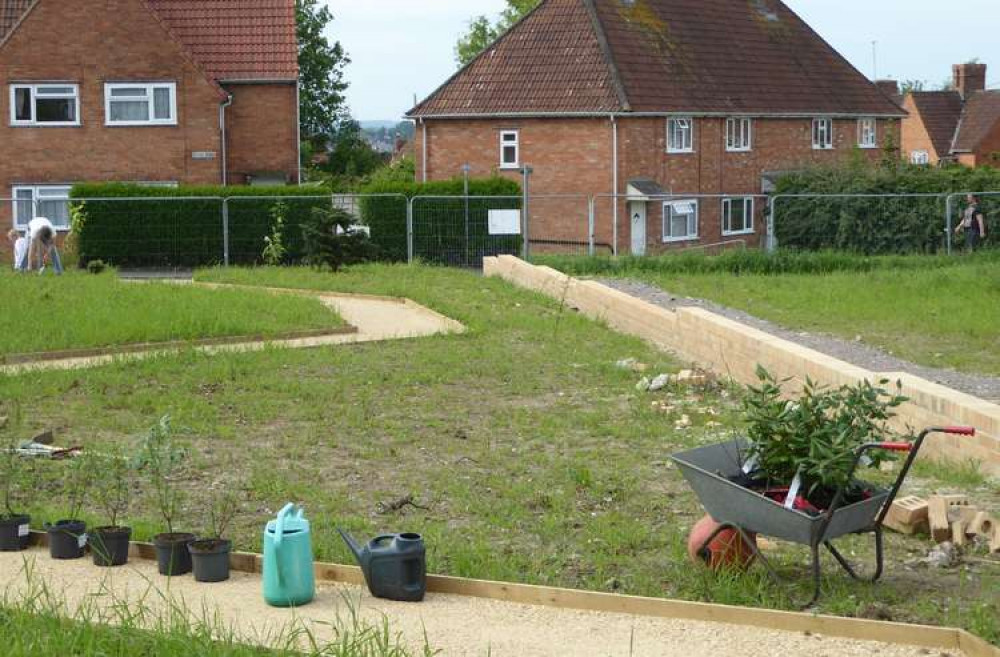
(958, 533)
(973, 646)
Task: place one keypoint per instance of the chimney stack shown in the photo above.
(888, 87)
(969, 78)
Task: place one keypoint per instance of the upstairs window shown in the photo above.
(510, 149)
(680, 135)
(822, 134)
(680, 221)
(737, 216)
(739, 134)
(140, 104)
(44, 104)
(867, 135)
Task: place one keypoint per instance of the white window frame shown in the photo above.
(504, 144)
(920, 157)
(668, 210)
(727, 215)
(822, 134)
(674, 127)
(150, 96)
(21, 223)
(867, 133)
(739, 134)
(34, 88)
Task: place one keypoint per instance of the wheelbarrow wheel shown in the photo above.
(710, 544)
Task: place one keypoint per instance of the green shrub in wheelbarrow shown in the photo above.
(792, 477)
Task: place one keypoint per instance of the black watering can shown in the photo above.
(395, 565)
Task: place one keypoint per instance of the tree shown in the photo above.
(321, 74)
(909, 86)
(482, 32)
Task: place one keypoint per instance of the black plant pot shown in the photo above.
(67, 539)
(15, 532)
(109, 545)
(210, 558)
(172, 555)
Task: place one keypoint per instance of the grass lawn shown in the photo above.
(941, 312)
(537, 459)
(78, 310)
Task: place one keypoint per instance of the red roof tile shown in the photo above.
(980, 115)
(698, 56)
(236, 39)
(229, 39)
(939, 111)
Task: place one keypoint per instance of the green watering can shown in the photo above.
(288, 559)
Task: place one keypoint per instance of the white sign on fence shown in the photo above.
(505, 222)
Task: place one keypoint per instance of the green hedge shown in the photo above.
(439, 224)
(877, 225)
(183, 226)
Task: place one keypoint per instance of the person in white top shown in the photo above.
(41, 245)
(20, 246)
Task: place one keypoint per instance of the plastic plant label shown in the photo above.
(81, 541)
(750, 465)
(23, 530)
(793, 491)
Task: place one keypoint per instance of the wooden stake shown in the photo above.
(958, 533)
(937, 514)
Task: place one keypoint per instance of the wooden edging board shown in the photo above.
(926, 636)
(143, 347)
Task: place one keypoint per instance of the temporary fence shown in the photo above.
(461, 230)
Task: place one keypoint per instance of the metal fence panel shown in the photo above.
(462, 230)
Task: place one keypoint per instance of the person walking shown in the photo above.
(19, 246)
(973, 224)
(41, 245)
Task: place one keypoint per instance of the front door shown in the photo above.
(637, 210)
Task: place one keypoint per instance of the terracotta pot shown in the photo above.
(727, 550)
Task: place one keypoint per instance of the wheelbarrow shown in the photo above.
(709, 471)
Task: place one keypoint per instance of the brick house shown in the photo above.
(959, 125)
(639, 97)
(154, 91)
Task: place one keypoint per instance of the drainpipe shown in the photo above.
(222, 127)
(298, 131)
(423, 147)
(614, 175)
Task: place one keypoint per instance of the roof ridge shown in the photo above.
(475, 59)
(602, 41)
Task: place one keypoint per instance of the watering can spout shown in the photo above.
(353, 545)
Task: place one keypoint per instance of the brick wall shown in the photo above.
(914, 134)
(262, 131)
(574, 156)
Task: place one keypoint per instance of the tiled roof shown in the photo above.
(698, 56)
(229, 39)
(980, 115)
(236, 39)
(939, 111)
(550, 62)
(10, 12)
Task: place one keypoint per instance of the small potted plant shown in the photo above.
(161, 458)
(112, 493)
(15, 527)
(210, 556)
(68, 537)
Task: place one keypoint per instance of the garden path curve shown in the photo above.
(455, 625)
(376, 319)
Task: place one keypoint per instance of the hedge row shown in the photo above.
(439, 225)
(139, 226)
(882, 224)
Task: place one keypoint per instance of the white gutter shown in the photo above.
(222, 128)
(593, 115)
(423, 145)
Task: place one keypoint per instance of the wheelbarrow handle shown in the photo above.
(896, 447)
(959, 431)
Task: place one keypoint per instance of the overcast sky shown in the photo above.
(402, 48)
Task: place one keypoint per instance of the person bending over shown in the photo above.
(41, 246)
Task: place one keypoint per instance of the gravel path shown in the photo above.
(856, 353)
(455, 625)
